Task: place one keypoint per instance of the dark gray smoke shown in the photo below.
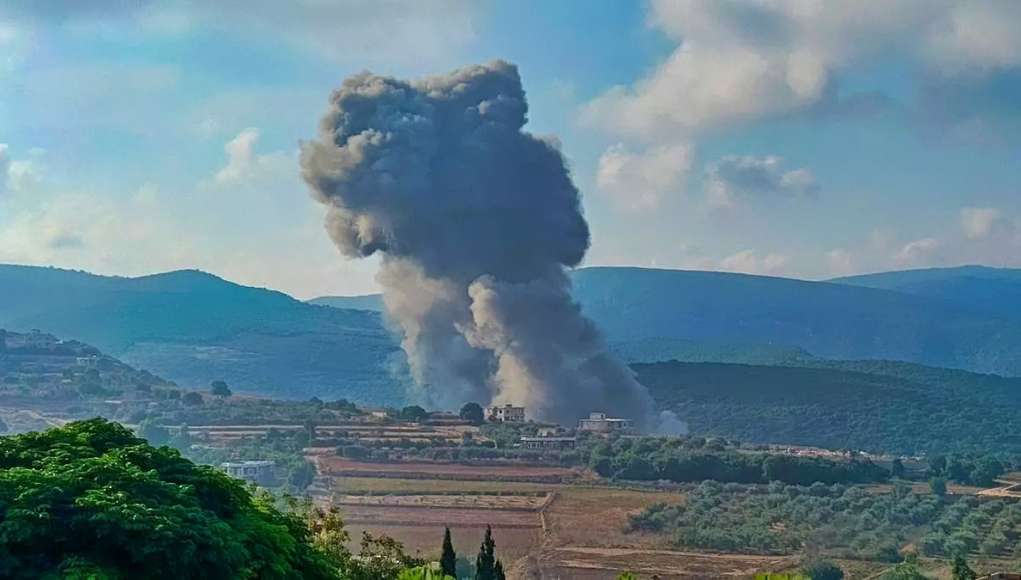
(477, 222)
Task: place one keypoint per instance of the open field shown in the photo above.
(535, 541)
(425, 540)
(376, 485)
(338, 466)
(529, 503)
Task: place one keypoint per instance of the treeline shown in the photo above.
(678, 460)
(865, 405)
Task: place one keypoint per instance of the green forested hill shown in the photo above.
(892, 407)
(992, 290)
(653, 315)
(193, 327)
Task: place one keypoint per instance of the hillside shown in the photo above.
(827, 320)
(193, 327)
(893, 407)
(655, 315)
(992, 290)
(373, 302)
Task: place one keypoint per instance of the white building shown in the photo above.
(600, 423)
(506, 414)
(548, 442)
(258, 472)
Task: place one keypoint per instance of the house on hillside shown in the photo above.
(600, 423)
(506, 414)
(257, 472)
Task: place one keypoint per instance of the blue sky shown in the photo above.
(763, 136)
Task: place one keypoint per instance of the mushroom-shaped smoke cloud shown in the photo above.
(476, 221)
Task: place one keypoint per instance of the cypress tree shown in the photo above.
(485, 562)
(448, 561)
(498, 571)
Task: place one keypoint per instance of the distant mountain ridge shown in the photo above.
(992, 290)
(193, 327)
(657, 315)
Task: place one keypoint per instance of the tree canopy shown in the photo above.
(91, 499)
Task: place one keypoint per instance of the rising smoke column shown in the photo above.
(476, 222)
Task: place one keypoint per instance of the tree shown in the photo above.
(906, 570)
(938, 485)
(302, 475)
(423, 573)
(498, 573)
(414, 413)
(897, 468)
(960, 569)
(823, 570)
(155, 434)
(92, 500)
(192, 399)
(448, 559)
(381, 557)
(485, 562)
(219, 389)
(473, 413)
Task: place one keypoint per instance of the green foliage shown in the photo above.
(874, 406)
(938, 486)
(219, 389)
(487, 567)
(413, 413)
(906, 570)
(92, 500)
(380, 558)
(473, 412)
(192, 399)
(627, 576)
(448, 558)
(690, 460)
(423, 573)
(960, 570)
(823, 570)
(839, 521)
(155, 434)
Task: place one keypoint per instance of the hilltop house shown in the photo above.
(600, 423)
(506, 414)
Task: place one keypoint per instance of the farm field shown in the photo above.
(338, 466)
(539, 539)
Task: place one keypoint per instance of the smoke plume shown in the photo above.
(476, 222)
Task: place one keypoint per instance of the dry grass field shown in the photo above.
(338, 466)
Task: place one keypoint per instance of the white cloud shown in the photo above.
(978, 34)
(983, 222)
(750, 262)
(245, 166)
(377, 31)
(639, 180)
(742, 61)
(18, 175)
(921, 252)
(840, 262)
(733, 178)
